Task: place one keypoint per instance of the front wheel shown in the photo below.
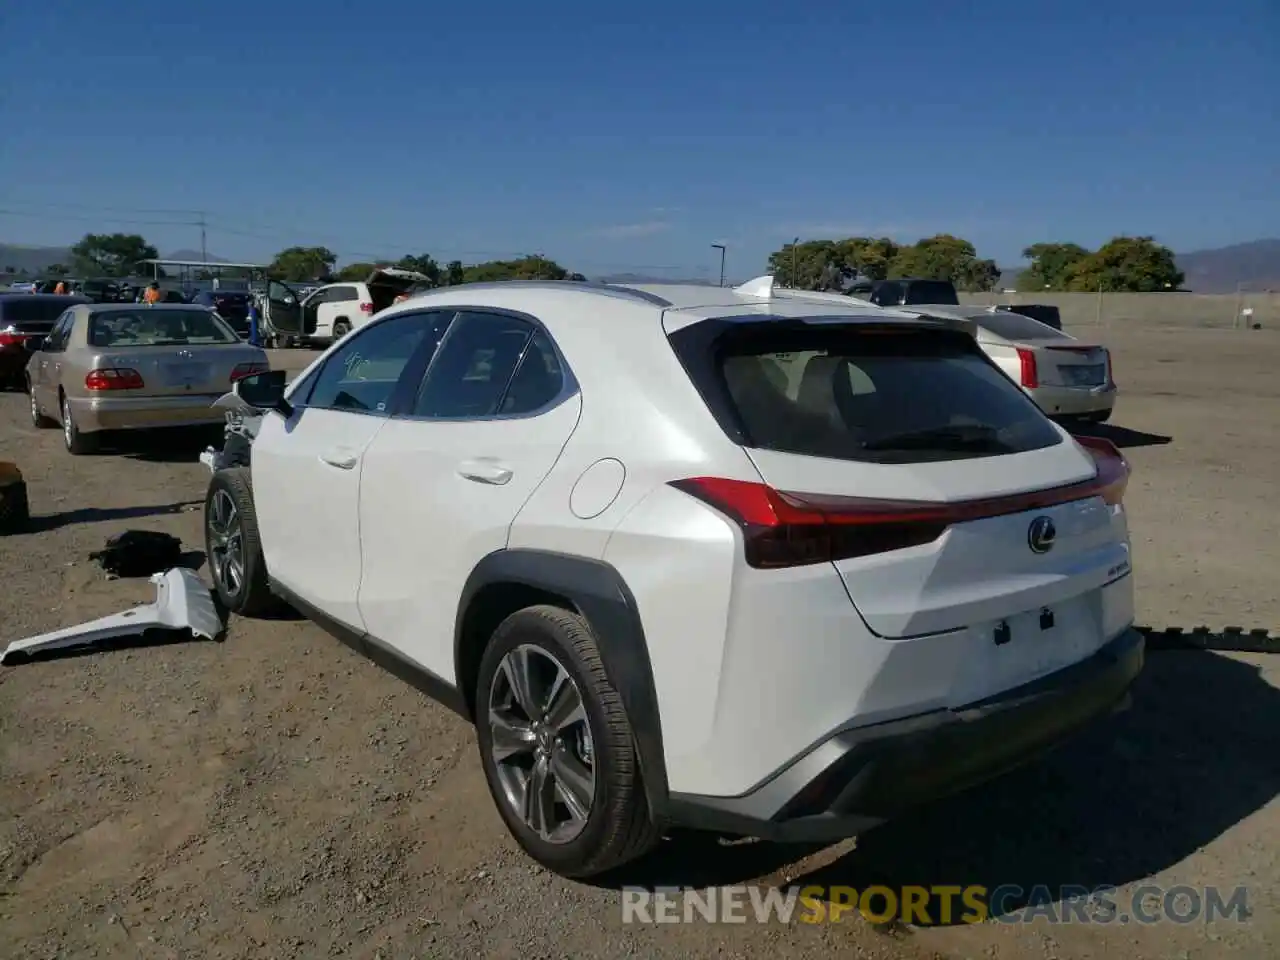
(557, 747)
(233, 547)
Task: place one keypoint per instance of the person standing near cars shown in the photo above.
(61, 289)
(152, 295)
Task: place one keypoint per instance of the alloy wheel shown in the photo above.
(226, 543)
(541, 744)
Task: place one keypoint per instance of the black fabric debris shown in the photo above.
(139, 553)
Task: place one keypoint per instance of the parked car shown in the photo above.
(1046, 313)
(1069, 379)
(332, 311)
(230, 306)
(25, 320)
(737, 559)
(129, 367)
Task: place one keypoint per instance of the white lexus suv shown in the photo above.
(757, 561)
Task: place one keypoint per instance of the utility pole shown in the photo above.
(204, 251)
(720, 247)
(795, 244)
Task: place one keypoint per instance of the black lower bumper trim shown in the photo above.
(859, 777)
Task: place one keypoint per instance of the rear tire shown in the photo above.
(340, 329)
(38, 419)
(78, 444)
(233, 546)
(588, 766)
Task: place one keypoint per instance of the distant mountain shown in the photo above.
(1255, 266)
(15, 258)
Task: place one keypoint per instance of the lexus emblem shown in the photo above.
(1041, 535)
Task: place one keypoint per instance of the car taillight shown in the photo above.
(10, 339)
(1113, 468)
(366, 307)
(1028, 375)
(243, 370)
(113, 378)
(781, 529)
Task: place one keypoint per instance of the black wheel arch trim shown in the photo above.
(604, 600)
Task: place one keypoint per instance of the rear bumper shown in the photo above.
(1074, 401)
(95, 414)
(859, 777)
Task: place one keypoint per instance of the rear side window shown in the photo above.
(342, 294)
(474, 365)
(874, 395)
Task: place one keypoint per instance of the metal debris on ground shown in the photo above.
(183, 603)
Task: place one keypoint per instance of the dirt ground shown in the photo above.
(274, 795)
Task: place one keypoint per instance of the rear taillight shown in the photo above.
(794, 529)
(113, 378)
(1028, 374)
(243, 370)
(10, 339)
(1113, 468)
(366, 307)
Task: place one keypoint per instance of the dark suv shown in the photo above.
(25, 320)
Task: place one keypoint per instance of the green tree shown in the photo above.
(867, 257)
(1050, 264)
(454, 274)
(355, 271)
(1128, 264)
(808, 265)
(944, 257)
(302, 264)
(534, 267)
(110, 254)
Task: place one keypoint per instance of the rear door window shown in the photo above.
(474, 366)
(882, 396)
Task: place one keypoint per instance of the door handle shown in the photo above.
(342, 459)
(484, 471)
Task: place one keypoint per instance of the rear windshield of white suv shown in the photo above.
(883, 396)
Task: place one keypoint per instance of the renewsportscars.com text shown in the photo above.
(941, 904)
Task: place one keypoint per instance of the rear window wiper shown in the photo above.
(973, 438)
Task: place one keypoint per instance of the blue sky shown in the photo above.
(635, 137)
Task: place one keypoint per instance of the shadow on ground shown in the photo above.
(40, 524)
(1137, 793)
(1122, 437)
(177, 445)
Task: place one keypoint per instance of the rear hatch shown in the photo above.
(387, 283)
(176, 352)
(902, 456)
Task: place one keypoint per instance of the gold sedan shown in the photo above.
(135, 367)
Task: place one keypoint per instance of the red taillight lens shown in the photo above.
(366, 307)
(1028, 374)
(1113, 468)
(113, 378)
(9, 339)
(243, 370)
(787, 530)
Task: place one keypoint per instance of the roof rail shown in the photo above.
(603, 289)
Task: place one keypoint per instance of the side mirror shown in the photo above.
(264, 391)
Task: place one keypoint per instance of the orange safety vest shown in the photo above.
(152, 295)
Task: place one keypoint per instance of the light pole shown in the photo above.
(720, 247)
